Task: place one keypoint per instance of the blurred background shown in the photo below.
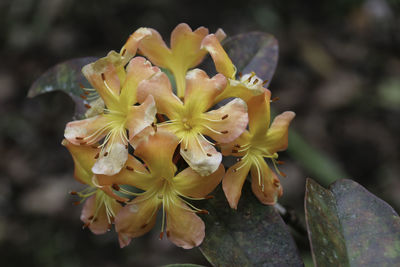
(339, 70)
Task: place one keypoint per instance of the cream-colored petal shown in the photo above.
(112, 159)
(136, 219)
(184, 228)
(157, 152)
(226, 123)
(140, 117)
(202, 90)
(138, 69)
(159, 87)
(129, 49)
(233, 181)
(190, 183)
(277, 135)
(266, 187)
(221, 59)
(87, 131)
(154, 48)
(200, 155)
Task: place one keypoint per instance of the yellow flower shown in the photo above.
(101, 204)
(190, 121)
(163, 189)
(245, 87)
(117, 87)
(260, 141)
(183, 55)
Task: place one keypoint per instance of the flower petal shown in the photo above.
(129, 49)
(157, 152)
(184, 228)
(136, 219)
(259, 113)
(84, 159)
(190, 183)
(113, 159)
(268, 189)
(160, 88)
(201, 90)
(200, 155)
(222, 62)
(277, 135)
(87, 131)
(233, 147)
(137, 70)
(233, 181)
(103, 76)
(228, 122)
(134, 174)
(154, 48)
(140, 117)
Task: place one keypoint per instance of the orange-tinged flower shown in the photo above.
(246, 86)
(260, 141)
(190, 121)
(163, 189)
(117, 87)
(101, 204)
(183, 55)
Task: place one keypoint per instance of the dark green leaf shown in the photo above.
(252, 235)
(254, 51)
(349, 226)
(65, 77)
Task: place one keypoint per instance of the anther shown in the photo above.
(126, 146)
(94, 146)
(73, 193)
(280, 162)
(115, 187)
(83, 96)
(235, 151)
(129, 168)
(97, 156)
(185, 149)
(123, 52)
(255, 81)
(91, 218)
(81, 86)
(203, 212)
(240, 75)
(168, 234)
(225, 132)
(274, 99)
(161, 235)
(265, 82)
(87, 106)
(209, 197)
(282, 173)
(237, 145)
(83, 143)
(76, 203)
(79, 138)
(86, 93)
(224, 117)
(105, 154)
(103, 77)
(208, 154)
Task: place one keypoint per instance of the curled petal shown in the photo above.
(112, 160)
(267, 188)
(157, 151)
(129, 49)
(140, 117)
(233, 181)
(136, 219)
(84, 158)
(200, 155)
(184, 228)
(277, 135)
(201, 90)
(87, 131)
(160, 88)
(259, 113)
(190, 183)
(137, 70)
(221, 59)
(228, 122)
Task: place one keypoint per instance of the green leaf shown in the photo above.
(349, 226)
(252, 235)
(65, 77)
(254, 51)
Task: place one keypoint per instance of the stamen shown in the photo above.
(76, 203)
(83, 96)
(255, 81)
(205, 139)
(274, 99)
(79, 138)
(201, 147)
(224, 132)
(97, 156)
(115, 187)
(240, 74)
(129, 168)
(224, 117)
(203, 212)
(105, 154)
(211, 129)
(83, 143)
(209, 155)
(73, 193)
(87, 106)
(123, 51)
(265, 82)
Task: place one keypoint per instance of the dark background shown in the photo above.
(339, 70)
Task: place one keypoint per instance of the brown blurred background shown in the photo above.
(339, 70)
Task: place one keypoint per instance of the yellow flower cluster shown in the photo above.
(144, 148)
